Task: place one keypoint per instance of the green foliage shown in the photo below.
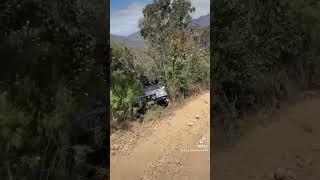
(124, 84)
(49, 75)
(162, 18)
(176, 56)
(179, 57)
(261, 46)
(31, 144)
(202, 37)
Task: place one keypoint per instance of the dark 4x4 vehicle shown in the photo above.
(153, 94)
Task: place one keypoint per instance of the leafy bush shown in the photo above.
(261, 48)
(179, 54)
(124, 84)
(49, 74)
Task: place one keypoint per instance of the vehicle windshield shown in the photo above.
(152, 87)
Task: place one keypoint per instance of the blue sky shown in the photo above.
(122, 4)
(125, 14)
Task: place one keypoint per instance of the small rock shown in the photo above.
(299, 161)
(126, 148)
(283, 174)
(190, 124)
(309, 162)
(303, 162)
(115, 147)
(197, 116)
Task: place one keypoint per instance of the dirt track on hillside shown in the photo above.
(166, 149)
(286, 149)
(285, 146)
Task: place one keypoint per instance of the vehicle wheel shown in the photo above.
(167, 103)
(142, 110)
(164, 103)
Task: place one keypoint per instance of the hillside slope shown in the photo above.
(159, 151)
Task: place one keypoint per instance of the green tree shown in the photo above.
(166, 25)
(49, 75)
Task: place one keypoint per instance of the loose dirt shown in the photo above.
(286, 149)
(166, 149)
(285, 146)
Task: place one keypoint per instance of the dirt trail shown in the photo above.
(166, 149)
(287, 149)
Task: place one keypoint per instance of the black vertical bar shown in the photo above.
(105, 48)
(212, 119)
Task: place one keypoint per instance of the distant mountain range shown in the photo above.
(202, 21)
(136, 40)
(133, 40)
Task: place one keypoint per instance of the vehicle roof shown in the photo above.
(152, 87)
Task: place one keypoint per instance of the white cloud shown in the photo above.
(202, 8)
(125, 21)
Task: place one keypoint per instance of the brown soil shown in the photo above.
(288, 147)
(165, 149)
(279, 145)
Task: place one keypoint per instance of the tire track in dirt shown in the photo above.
(166, 153)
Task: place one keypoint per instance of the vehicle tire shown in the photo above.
(164, 103)
(167, 103)
(142, 110)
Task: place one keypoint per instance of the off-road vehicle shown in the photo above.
(153, 94)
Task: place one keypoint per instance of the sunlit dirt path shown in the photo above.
(169, 148)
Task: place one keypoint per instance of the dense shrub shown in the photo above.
(49, 76)
(262, 50)
(125, 84)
